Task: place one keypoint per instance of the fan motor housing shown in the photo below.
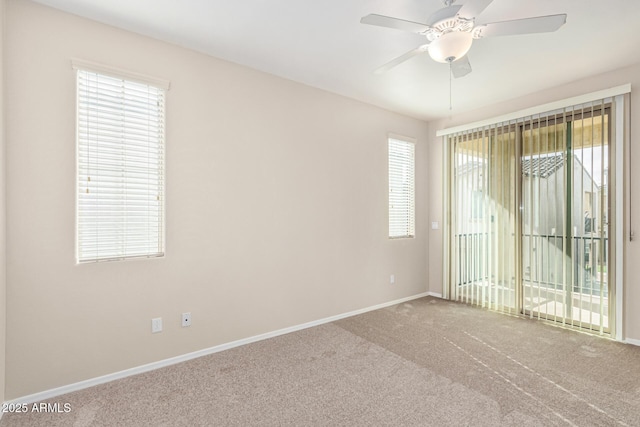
(444, 21)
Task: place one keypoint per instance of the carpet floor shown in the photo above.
(428, 362)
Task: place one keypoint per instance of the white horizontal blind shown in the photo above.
(401, 188)
(120, 168)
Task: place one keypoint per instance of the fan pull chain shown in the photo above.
(450, 84)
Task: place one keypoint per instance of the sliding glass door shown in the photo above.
(529, 217)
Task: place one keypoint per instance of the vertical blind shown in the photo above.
(401, 188)
(120, 168)
(530, 204)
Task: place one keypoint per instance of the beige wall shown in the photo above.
(631, 327)
(3, 277)
(276, 208)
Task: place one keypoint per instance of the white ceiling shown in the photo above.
(321, 43)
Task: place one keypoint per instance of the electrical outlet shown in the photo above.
(156, 325)
(392, 279)
(186, 319)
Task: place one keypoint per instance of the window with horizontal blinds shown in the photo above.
(120, 168)
(401, 188)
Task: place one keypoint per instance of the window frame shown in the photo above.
(410, 224)
(154, 140)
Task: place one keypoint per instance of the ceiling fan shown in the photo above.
(450, 32)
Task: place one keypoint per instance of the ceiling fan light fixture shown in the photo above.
(451, 46)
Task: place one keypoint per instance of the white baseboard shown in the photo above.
(631, 341)
(434, 294)
(55, 392)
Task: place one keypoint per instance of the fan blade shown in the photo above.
(400, 59)
(461, 67)
(472, 8)
(395, 23)
(540, 24)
